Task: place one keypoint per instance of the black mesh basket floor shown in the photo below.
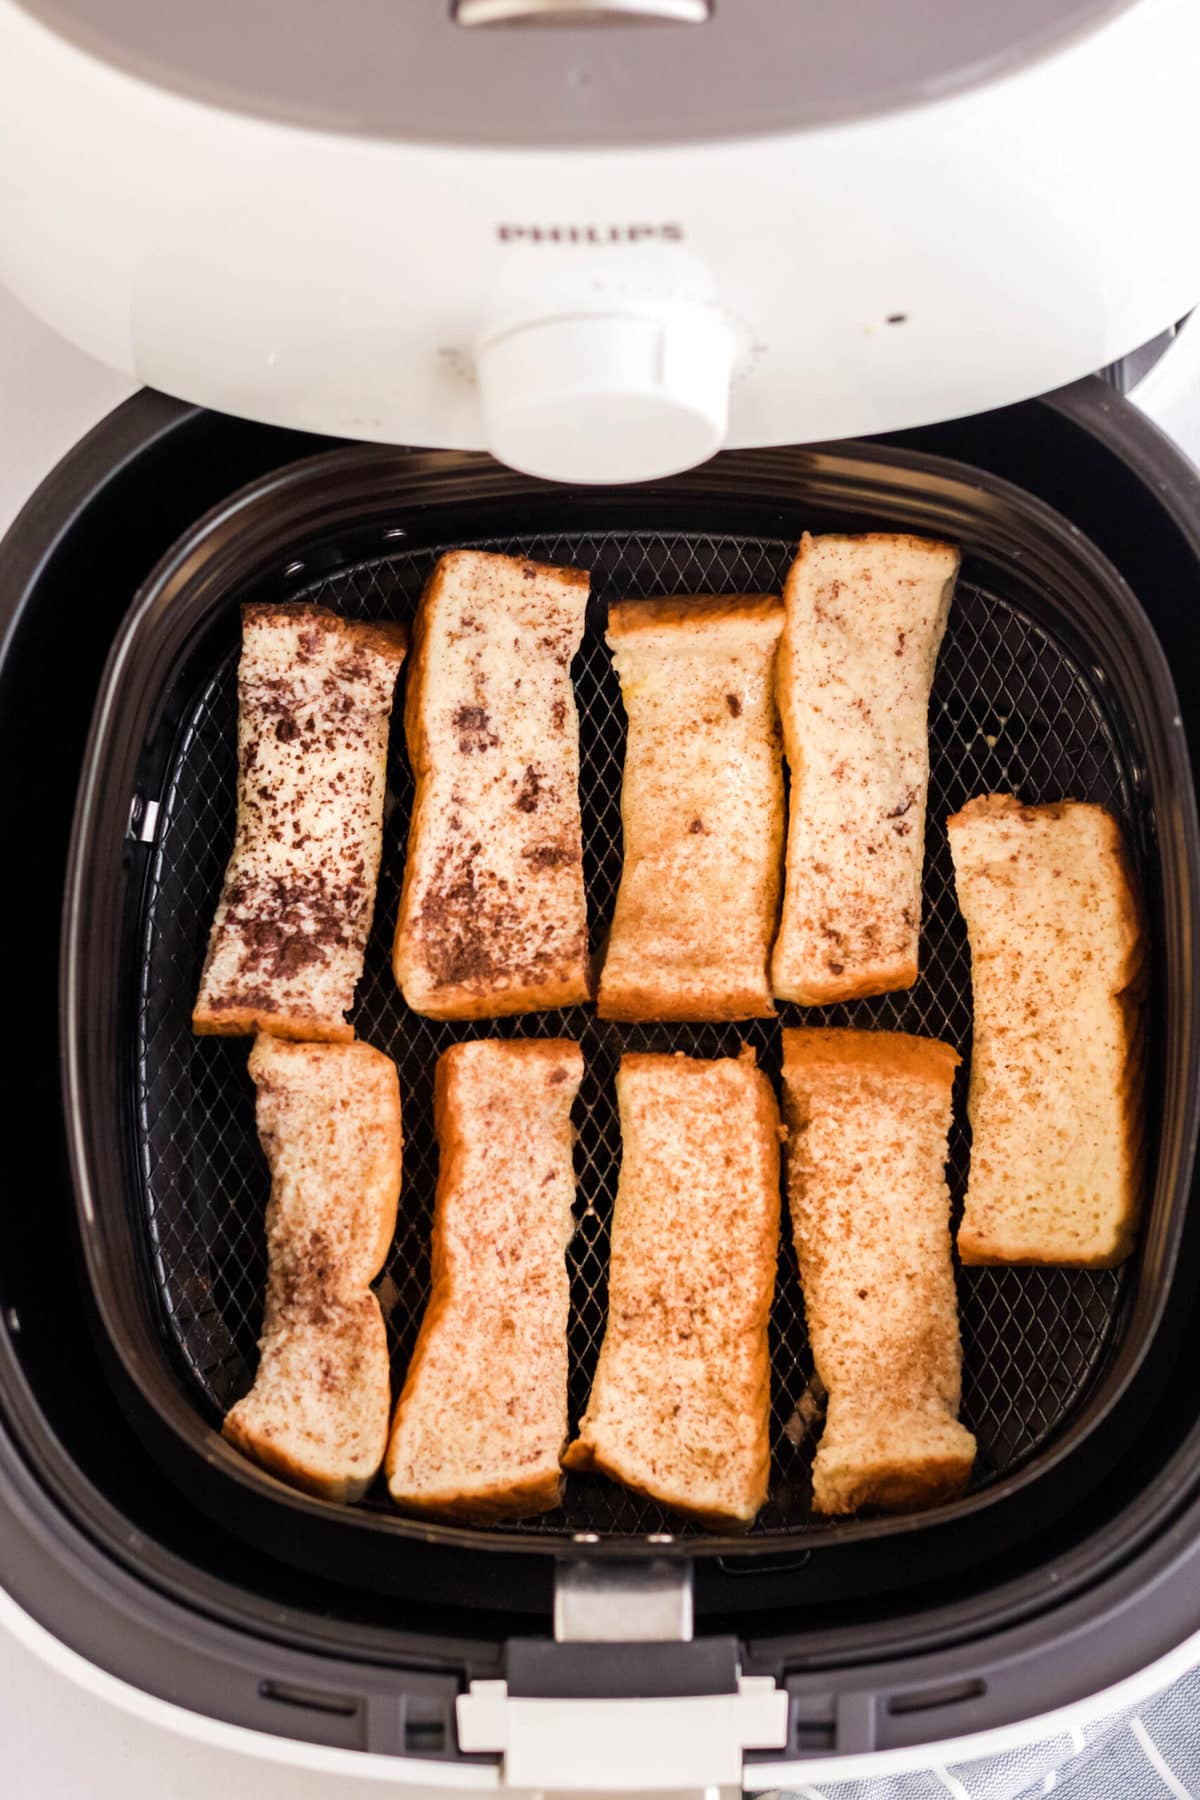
(1011, 711)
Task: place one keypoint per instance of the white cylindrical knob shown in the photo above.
(607, 397)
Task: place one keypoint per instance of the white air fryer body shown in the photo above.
(601, 254)
(594, 310)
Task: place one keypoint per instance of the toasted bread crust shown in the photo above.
(757, 615)
(387, 638)
(636, 1002)
(493, 915)
(898, 1053)
(1044, 887)
(680, 1404)
(499, 1504)
(865, 619)
(329, 1119)
(901, 1479)
(582, 1458)
(249, 1021)
(867, 1116)
(889, 540)
(286, 948)
(701, 807)
(869, 980)
(485, 1447)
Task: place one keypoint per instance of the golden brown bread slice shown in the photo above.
(482, 1419)
(680, 1404)
(493, 917)
(329, 1122)
(865, 618)
(1057, 971)
(867, 1115)
(287, 943)
(701, 807)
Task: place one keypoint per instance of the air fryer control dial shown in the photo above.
(607, 397)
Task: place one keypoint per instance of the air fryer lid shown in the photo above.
(424, 69)
(602, 254)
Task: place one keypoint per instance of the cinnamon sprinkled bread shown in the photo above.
(702, 809)
(1058, 975)
(680, 1405)
(329, 1121)
(867, 1115)
(287, 943)
(482, 1420)
(493, 917)
(865, 617)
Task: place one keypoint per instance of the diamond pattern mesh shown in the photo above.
(1010, 710)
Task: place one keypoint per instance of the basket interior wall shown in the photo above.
(1012, 709)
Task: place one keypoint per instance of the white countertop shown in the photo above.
(61, 1740)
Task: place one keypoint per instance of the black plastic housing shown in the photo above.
(338, 512)
(109, 1553)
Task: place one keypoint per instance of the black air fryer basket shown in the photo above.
(1048, 684)
(131, 1258)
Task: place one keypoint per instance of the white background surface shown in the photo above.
(50, 394)
(58, 1741)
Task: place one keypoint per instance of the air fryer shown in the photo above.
(602, 252)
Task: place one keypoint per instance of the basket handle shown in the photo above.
(624, 1698)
